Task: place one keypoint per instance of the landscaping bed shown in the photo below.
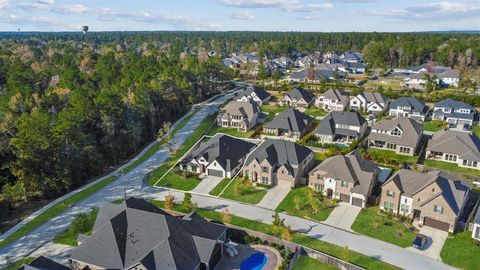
(306, 203)
(383, 227)
(386, 157)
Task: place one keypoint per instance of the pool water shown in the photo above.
(256, 261)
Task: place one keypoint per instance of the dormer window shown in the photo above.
(396, 132)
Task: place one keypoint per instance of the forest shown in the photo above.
(73, 105)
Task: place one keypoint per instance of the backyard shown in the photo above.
(451, 167)
(388, 157)
(304, 202)
(231, 131)
(461, 251)
(433, 126)
(239, 190)
(314, 112)
(305, 262)
(380, 226)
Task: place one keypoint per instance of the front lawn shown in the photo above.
(433, 126)
(305, 262)
(388, 157)
(476, 130)
(180, 180)
(369, 222)
(242, 190)
(451, 167)
(314, 112)
(219, 188)
(303, 202)
(461, 251)
(231, 131)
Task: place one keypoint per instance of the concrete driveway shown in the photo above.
(343, 216)
(274, 197)
(436, 240)
(207, 184)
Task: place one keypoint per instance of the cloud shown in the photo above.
(286, 5)
(45, 22)
(241, 15)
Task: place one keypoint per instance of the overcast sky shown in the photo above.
(253, 15)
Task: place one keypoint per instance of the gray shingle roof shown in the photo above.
(464, 144)
(299, 93)
(130, 235)
(454, 105)
(351, 168)
(320, 74)
(43, 263)
(374, 97)
(228, 151)
(411, 131)
(327, 125)
(415, 104)
(259, 92)
(292, 120)
(245, 109)
(280, 152)
(335, 94)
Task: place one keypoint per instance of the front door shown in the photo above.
(329, 193)
(416, 213)
(202, 168)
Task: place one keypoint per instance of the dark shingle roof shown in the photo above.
(327, 125)
(292, 120)
(415, 104)
(259, 92)
(299, 93)
(411, 131)
(130, 235)
(43, 263)
(464, 144)
(454, 104)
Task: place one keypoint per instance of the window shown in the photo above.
(451, 157)
(438, 209)
(469, 163)
(388, 206)
(265, 180)
(396, 132)
(405, 150)
(405, 200)
(265, 169)
(319, 187)
(344, 184)
(390, 193)
(404, 208)
(319, 177)
(433, 189)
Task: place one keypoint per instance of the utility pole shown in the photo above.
(124, 186)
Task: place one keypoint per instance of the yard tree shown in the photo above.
(286, 233)
(187, 202)
(169, 201)
(226, 216)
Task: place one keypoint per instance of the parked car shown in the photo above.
(420, 242)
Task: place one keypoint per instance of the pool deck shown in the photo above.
(245, 251)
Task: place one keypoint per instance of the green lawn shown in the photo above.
(301, 239)
(272, 108)
(231, 131)
(18, 264)
(305, 262)
(432, 126)
(461, 251)
(389, 157)
(239, 192)
(82, 224)
(56, 210)
(370, 223)
(451, 167)
(314, 111)
(189, 142)
(305, 210)
(176, 180)
(476, 130)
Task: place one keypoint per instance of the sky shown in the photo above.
(240, 15)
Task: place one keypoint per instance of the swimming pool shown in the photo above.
(256, 261)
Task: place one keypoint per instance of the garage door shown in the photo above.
(437, 224)
(357, 202)
(215, 173)
(344, 198)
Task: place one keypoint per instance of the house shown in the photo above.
(221, 156)
(454, 112)
(312, 75)
(43, 263)
(331, 58)
(430, 199)
(352, 57)
(444, 76)
(372, 102)
(240, 115)
(137, 235)
(333, 100)
(348, 178)
(297, 97)
(341, 127)
(255, 93)
(461, 148)
(355, 68)
(410, 107)
(279, 162)
(476, 225)
(289, 123)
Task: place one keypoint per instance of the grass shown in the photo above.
(56, 210)
(305, 211)
(238, 190)
(370, 223)
(461, 251)
(18, 264)
(231, 131)
(386, 156)
(301, 239)
(305, 262)
(452, 167)
(174, 157)
(271, 111)
(476, 130)
(176, 180)
(433, 126)
(82, 224)
(219, 188)
(315, 112)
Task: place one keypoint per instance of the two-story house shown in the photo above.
(255, 93)
(401, 135)
(290, 123)
(410, 107)
(279, 162)
(454, 112)
(333, 100)
(341, 127)
(297, 97)
(348, 178)
(461, 148)
(221, 156)
(371, 102)
(240, 115)
(431, 199)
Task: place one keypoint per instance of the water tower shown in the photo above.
(84, 29)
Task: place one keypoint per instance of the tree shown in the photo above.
(226, 216)
(14, 194)
(297, 201)
(345, 255)
(286, 234)
(169, 201)
(187, 202)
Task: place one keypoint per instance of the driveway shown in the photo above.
(274, 197)
(207, 184)
(436, 240)
(343, 216)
